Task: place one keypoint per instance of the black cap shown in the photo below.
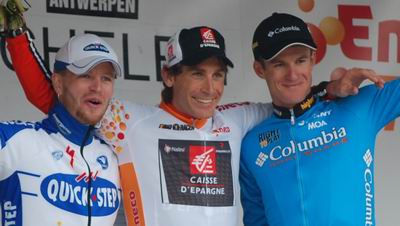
(192, 46)
(278, 32)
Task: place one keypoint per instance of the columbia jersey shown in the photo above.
(319, 168)
(44, 176)
(175, 173)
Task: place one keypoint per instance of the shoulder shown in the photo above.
(128, 108)
(232, 106)
(248, 107)
(8, 129)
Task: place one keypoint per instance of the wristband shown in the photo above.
(14, 33)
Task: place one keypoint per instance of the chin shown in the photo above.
(92, 119)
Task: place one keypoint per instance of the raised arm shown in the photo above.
(31, 70)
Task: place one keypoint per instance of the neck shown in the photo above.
(61, 121)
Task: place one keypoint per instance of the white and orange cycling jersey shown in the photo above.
(180, 171)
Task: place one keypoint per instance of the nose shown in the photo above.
(95, 84)
(208, 85)
(291, 73)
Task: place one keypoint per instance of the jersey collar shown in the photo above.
(197, 123)
(59, 120)
(297, 110)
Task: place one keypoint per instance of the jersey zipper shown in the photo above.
(299, 177)
(89, 183)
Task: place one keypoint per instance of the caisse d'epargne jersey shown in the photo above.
(187, 171)
(175, 171)
(317, 168)
(45, 169)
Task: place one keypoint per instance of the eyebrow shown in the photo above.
(196, 68)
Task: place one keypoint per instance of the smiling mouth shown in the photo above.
(204, 101)
(291, 85)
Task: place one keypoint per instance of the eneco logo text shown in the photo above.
(62, 191)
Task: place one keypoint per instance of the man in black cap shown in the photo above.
(311, 162)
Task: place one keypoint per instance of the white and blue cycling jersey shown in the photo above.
(313, 165)
(56, 172)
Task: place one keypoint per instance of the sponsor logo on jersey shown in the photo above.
(83, 176)
(57, 155)
(261, 158)
(368, 186)
(301, 123)
(103, 161)
(20, 123)
(168, 149)
(71, 153)
(134, 205)
(202, 160)
(322, 114)
(281, 154)
(63, 129)
(268, 137)
(221, 130)
(177, 127)
(9, 213)
(316, 124)
(200, 174)
(230, 106)
(62, 191)
(307, 103)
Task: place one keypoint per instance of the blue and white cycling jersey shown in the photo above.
(316, 167)
(45, 169)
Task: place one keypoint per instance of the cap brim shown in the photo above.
(85, 65)
(200, 57)
(277, 49)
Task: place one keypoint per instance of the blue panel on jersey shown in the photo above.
(10, 201)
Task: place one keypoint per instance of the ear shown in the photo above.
(259, 69)
(167, 77)
(56, 80)
(313, 57)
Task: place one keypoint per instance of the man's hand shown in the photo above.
(2, 19)
(11, 15)
(347, 82)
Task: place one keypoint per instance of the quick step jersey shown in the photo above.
(44, 174)
(318, 168)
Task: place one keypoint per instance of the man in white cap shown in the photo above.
(56, 171)
(311, 162)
